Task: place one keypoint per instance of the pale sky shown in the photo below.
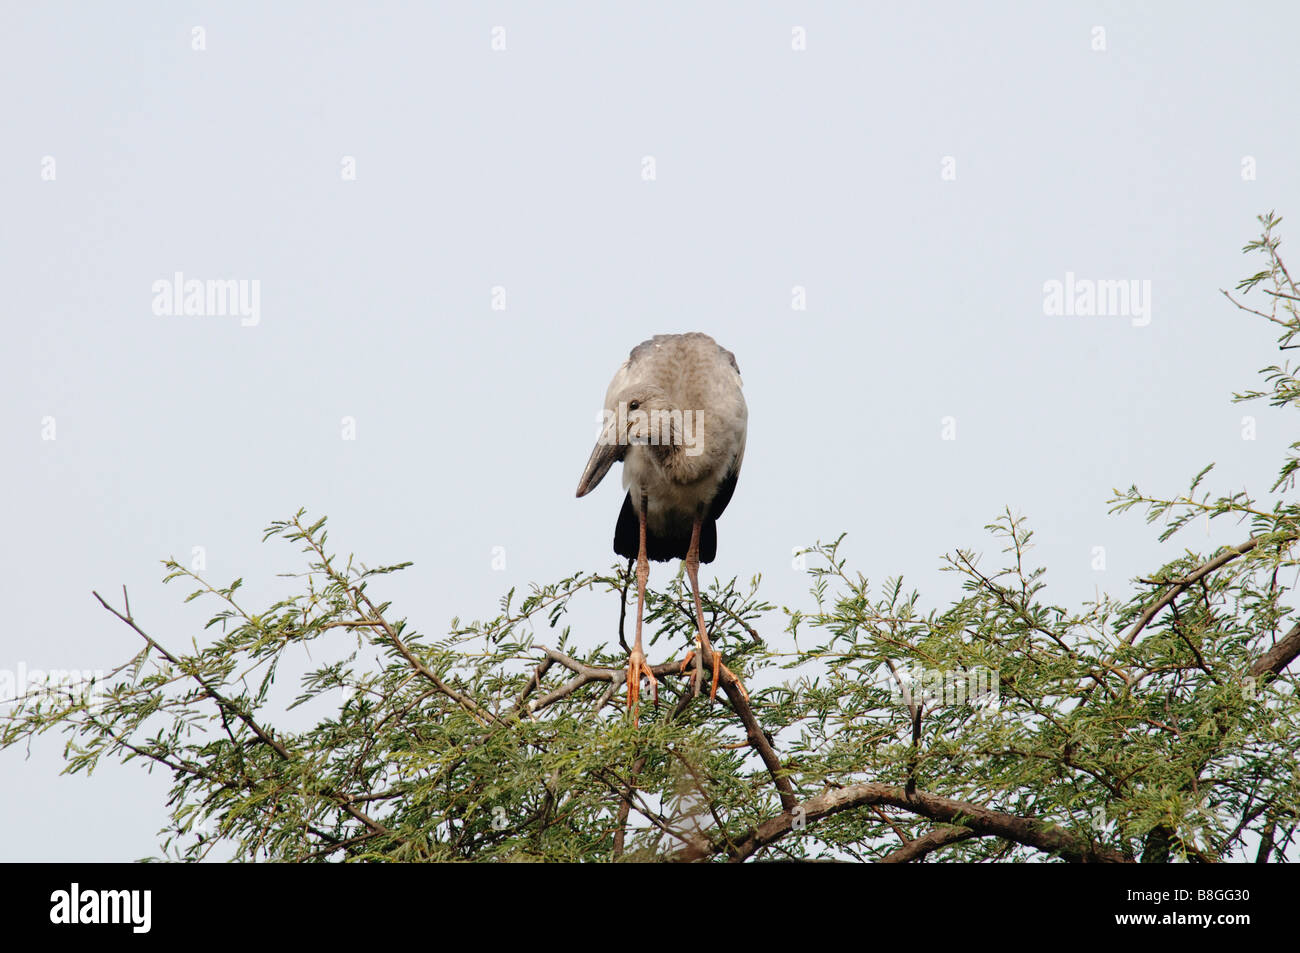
(920, 171)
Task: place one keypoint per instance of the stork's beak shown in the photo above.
(602, 458)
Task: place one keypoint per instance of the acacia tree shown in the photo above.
(1157, 727)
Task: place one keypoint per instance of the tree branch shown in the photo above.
(226, 705)
(983, 821)
(1178, 586)
(1282, 654)
(754, 733)
(916, 849)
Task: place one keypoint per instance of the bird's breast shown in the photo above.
(669, 503)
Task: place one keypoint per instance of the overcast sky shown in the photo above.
(865, 205)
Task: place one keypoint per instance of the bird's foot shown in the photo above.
(718, 669)
(636, 667)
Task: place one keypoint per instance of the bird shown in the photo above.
(675, 415)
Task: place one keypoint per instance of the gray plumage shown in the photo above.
(685, 448)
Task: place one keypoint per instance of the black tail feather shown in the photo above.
(661, 548)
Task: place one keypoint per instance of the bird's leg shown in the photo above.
(706, 647)
(636, 663)
(622, 607)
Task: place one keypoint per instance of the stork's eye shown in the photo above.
(633, 405)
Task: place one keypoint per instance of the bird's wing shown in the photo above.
(730, 357)
(728, 486)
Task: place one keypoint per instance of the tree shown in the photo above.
(1157, 727)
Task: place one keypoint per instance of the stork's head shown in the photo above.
(632, 416)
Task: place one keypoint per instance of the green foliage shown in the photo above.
(1151, 728)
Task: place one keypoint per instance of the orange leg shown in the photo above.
(636, 663)
(718, 669)
(693, 571)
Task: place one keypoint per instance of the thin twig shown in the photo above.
(226, 705)
(1177, 589)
